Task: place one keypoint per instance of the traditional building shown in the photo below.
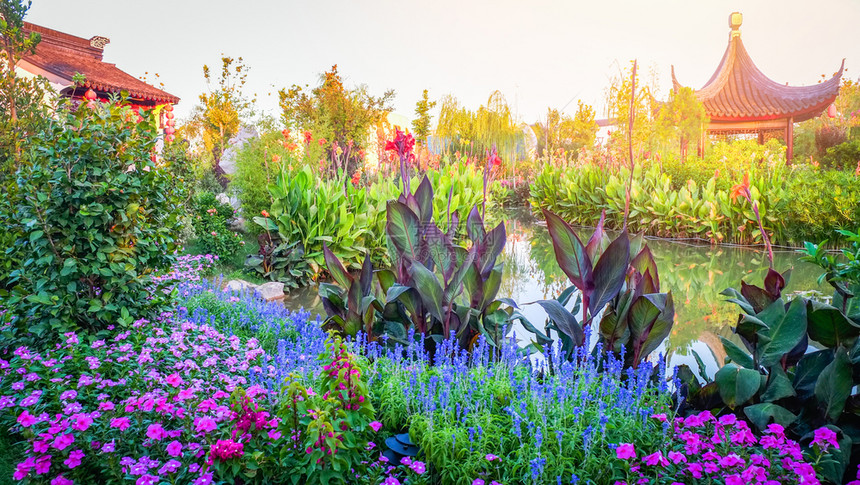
(741, 99)
(60, 56)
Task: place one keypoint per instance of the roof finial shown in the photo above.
(735, 21)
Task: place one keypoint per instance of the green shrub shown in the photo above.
(211, 220)
(844, 156)
(97, 215)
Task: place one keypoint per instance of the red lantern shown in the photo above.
(169, 130)
(90, 95)
(170, 122)
(169, 138)
(169, 115)
(168, 107)
(831, 111)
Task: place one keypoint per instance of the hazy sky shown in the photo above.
(537, 53)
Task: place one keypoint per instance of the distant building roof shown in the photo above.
(739, 91)
(63, 55)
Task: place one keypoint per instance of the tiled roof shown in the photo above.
(738, 91)
(64, 55)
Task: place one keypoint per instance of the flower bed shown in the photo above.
(194, 398)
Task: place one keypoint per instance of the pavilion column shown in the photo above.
(761, 137)
(789, 139)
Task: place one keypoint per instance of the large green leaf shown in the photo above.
(336, 268)
(570, 253)
(764, 413)
(778, 386)
(737, 385)
(613, 332)
(829, 326)
(429, 289)
(403, 229)
(808, 369)
(834, 385)
(609, 273)
(737, 354)
(785, 328)
(424, 199)
(564, 320)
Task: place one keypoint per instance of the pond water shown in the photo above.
(695, 273)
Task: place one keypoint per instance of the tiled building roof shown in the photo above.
(64, 55)
(739, 91)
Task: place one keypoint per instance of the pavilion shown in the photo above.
(740, 99)
(59, 56)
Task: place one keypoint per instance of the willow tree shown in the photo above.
(645, 108)
(476, 132)
(682, 118)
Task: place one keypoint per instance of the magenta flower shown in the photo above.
(655, 459)
(174, 449)
(121, 423)
(82, 423)
(205, 424)
(376, 425)
(492, 457)
(26, 419)
(63, 441)
(174, 380)
(824, 438)
(418, 467)
(61, 480)
(74, 458)
(391, 481)
(478, 481)
(625, 451)
(155, 431)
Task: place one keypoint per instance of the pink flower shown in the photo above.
(61, 480)
(121, 423)
(174, 380)
(82, 423)
(155, 431)
(656, 458)
(174, 449)
(625, 451)
(376, 425)
(478, 481)
(659, 417)
(26, 419)
(63, 441)
(492, 457)
(824, 438)
(74, 458)
(734, 480)
(677, 457)
(205, 424)
(274, 435)
(391, 481)
(418, 467)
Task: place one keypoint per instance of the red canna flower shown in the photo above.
(264, 213)
(322, 141)
(276, 158)
(286, 133)
(308, 137)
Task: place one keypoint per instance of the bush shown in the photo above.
(211, 219)
(845, 156)
(97, 215)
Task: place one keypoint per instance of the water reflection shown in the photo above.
(695, 274)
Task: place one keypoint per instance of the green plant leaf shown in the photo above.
(834, 385)
(785, 328)
(570, 253)
(737, 385)
(737, 354)
(829, 326)
(609, 273)
(764, 413)
(429, 289)
(778, 386)
(564, 320)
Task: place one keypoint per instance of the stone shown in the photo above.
(239, 286)
(271, 291)
(228, 158)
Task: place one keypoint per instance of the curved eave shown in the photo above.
(131, 92)
(739, 91)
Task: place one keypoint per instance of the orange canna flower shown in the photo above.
(742, 189)
(264, 213)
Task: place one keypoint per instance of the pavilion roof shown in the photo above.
(739, 91)
(64, 55)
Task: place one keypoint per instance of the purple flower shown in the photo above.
(376, 425)
(174, 449)
(824, 438)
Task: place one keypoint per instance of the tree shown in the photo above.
(338, 117)
(682, 118)
(644, 109)
(223, 107)
(19, 98)
(560, 131)
(421, 124)
(476, 132)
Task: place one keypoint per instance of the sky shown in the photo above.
(538, 53)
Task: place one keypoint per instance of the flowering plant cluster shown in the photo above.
(211, 227)
(705, 449)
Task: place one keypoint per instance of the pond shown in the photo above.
(695, 273)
